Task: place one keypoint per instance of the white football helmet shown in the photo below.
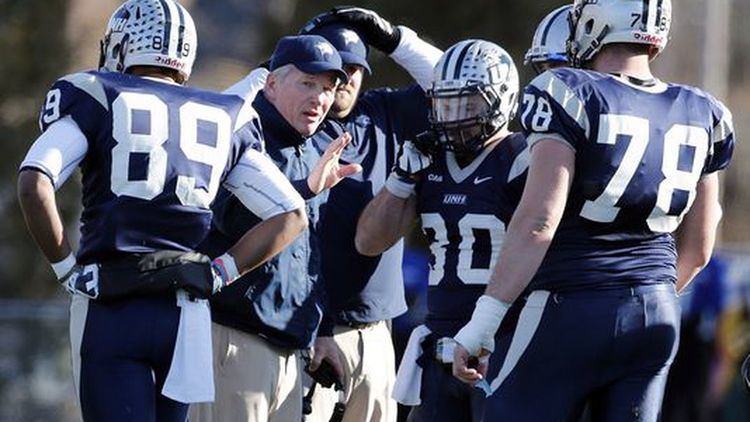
(474, 94)
(594, 23)
(550, 39)
(152, 33)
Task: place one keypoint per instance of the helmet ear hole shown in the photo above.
(588, 26)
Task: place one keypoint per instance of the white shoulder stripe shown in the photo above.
(90, 85)
(725, 127)
(246, 114)
(520, 164)
(564, 96)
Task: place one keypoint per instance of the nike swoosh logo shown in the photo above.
(484, 179)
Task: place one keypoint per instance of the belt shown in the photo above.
(613, 291)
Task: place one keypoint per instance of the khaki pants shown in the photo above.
(255, 382)
(369, 375)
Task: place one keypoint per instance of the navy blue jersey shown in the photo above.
(157, 153)
(362, 288)
(464, 214)
(640, 151)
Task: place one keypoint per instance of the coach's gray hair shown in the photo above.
(282, 72)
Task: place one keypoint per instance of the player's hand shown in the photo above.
(467, 368)
(411, 161)
(375, 30)
(328, 171)
(199, 280)
(82, 280)
(325, 348)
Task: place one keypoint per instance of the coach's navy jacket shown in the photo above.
(280, 301)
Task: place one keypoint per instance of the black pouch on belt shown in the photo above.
(156, 272)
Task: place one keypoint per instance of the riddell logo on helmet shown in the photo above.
(649, 38)
(166, 61)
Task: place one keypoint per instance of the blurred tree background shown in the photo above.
(41, 40)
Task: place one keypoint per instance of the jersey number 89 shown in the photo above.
(150, 142)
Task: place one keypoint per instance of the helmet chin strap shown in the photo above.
(474, 145)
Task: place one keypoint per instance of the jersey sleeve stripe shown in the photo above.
(57, 151)
(246, 114)
(90, 85)
(261, 186)
(725, 127)
(564, 96)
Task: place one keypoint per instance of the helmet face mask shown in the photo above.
(595, 23)
(473, 95)
(463, 117)
(149, 33)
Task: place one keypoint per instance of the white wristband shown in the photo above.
(398, 187)
(479, 333)
(62, 268)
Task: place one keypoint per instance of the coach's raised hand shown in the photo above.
(328, 171)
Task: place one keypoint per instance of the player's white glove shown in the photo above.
(403, 179)
(411, 160)
(479, 332)
(77, 279)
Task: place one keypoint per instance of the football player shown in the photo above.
(619, 162)
(548, 47)
(464, 192)
(153, 154)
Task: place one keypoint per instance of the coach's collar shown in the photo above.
(274, 124)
